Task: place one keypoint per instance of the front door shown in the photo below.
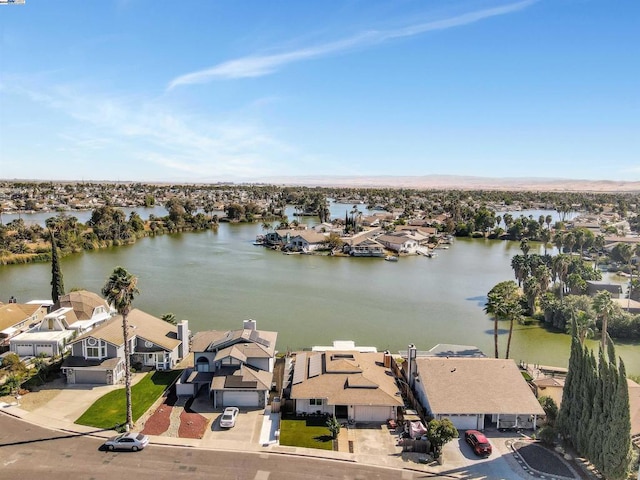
(342, 411)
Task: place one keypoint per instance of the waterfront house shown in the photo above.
(16, 318)
(97, 357)
(307, 241)
(594, 286)
(236, 366)
(398, 243)
(473, 391)
(353, 385)
(74, 313)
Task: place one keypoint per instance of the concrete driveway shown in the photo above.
(247, 428)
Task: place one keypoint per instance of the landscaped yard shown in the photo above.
(305, 433)
(110, 410)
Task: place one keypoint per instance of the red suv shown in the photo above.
(478, 442)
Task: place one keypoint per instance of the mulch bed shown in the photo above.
(159, 422)
(542, 459)
(192, 425)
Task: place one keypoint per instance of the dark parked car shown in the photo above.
(127, 441)
(479, 443)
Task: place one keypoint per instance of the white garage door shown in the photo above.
(463, 422)
(371, 414)
(24, 350)
(46, 349)
(240, 399)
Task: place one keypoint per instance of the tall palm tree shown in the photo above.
(120, 290)
(548, 219)
(604, 308)
(560, 269)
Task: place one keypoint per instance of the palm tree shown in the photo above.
(598, 244)
(524, 246)
(584, 325)
(503, 302)
(548, 219)
(545, 238)
(520, 268)
(560, 269)
(120, 290)
(558, 241)
(604, 308)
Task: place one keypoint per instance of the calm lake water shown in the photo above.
(217, 279)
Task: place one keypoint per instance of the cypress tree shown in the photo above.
(586, 393)
(617, 444)
(597, 425)
(570, 409)
(57, 283)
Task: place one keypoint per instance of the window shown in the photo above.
(315, 401)
(93, 352)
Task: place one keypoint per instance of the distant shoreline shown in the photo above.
(424, 182)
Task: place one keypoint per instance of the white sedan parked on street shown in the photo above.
(228, 418)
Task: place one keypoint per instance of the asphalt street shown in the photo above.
(28, 451)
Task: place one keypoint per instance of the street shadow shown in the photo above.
(57, 437)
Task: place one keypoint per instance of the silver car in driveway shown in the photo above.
(127, 441)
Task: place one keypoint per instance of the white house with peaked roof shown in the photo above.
(74, 313)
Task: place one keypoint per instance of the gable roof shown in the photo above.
(243, 377)
(14, 313)
(141, 325)
(311, 236)
(252, 343)
(462, 385)
(345, 378)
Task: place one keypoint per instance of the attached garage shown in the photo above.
(24, 350)
(365, 413)
(238, 399)
(46, 349)
(465, 422)
(90, 376)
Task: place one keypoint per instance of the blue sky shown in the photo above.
(206, 91)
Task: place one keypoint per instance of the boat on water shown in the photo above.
(391, 258)
(259, 240)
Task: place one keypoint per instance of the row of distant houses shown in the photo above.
(373, 242)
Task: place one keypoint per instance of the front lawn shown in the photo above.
(301, 433)
(110, 409)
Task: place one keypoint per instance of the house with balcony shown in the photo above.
(235, 366)
(97, 357)
(74, 313)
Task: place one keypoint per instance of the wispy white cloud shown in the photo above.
(260, 65)
(144, 129)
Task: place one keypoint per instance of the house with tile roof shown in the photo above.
(236, 366)
(97, 357)
(350, 384)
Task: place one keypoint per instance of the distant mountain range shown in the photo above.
(459, 182)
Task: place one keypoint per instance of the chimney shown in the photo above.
(183, 336)
(249, 325)
(412, 371)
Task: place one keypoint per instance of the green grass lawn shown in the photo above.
(296, 433)
(110, 409)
